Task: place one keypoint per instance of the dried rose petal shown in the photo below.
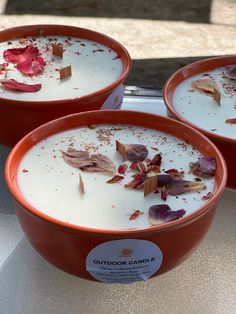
(163, 180)
(122, 169)
(207, 197)
(136, 214)
(164, 193)
(153, 168)
(159, 214)
(115, 179)
(132, 152)
(31, 67)
(204, 167)
(19, 55)
(230, 71)
(101, 164)
(178, 187)
(205, 85)
(14, 85)
(175, 173)
(231, 121)
(137, 182)
(156, 160)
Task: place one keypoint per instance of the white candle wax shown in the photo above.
(49, 184)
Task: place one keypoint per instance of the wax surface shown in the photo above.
(202, 110)
(51, 185)
(94, 67)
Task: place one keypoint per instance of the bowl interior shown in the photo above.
(175, 128)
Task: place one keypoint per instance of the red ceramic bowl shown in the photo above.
(226, 145)
(17, 118)
(69, 246)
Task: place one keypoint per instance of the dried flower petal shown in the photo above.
(207, 197)
(137, 182)
(115, 179)
(122, 169)
(132, 152)
(14, 85)
(204, 167)
(178, 187)
(136, 214)
(153, 168)
(31, 67)
(217, 96)
(101, 164)
(205, 85)
(231, 121)
(81, 185)
(175, 173)
(19, 55)
(159, 214)
(230, 71)
(3, 67)
(156, 160)
(164, 192)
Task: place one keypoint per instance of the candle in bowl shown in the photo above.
(203, 95)
(102, 189)
(47, 71)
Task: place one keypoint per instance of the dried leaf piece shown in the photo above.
(217, 96)
(81, 185)
(57, 50)
(156, 160)
(175, 173)
(115, 179)
(22, 87)
(136, 214)
(205, 85)
(65, 72)
(230, 71)
(137, 182)
(132, 152)
(122, 169)
(101, 163)
(204, 167)
(231, 121)
(159, 214)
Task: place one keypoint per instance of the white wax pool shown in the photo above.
(51, 185)
(202, 110)
(94, 66)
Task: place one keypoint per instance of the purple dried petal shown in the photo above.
(159, 214)
(132, 152)
(204, 167)
(178, 187)
(164, 180)
(230, 71)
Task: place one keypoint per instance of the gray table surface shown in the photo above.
(205, 283)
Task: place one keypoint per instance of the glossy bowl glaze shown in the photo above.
(67, 246)
(226, 145)
(17, 118)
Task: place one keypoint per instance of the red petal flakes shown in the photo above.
(19, 55)
(231, 121)
(207, 197)
(175, 173)
(122, 169)
(14, 85)
(156, 160)
(136, 214)
(137, 182)
(115, 179)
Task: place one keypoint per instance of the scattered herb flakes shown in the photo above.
(137, 213)
(65, 72)
(115, 179)
(159, 214)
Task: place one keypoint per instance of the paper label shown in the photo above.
(124, 261)
(114, 101)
